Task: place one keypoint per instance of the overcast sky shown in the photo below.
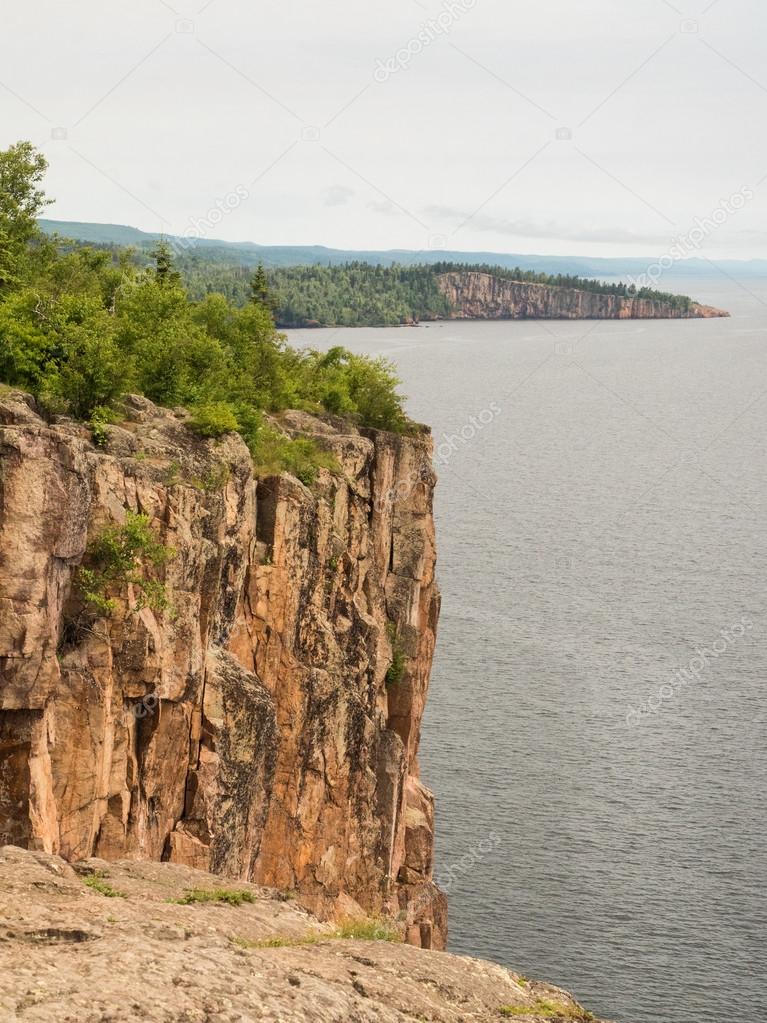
(601, 127)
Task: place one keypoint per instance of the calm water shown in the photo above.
(602, 520)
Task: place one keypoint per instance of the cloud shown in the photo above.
(541, 229)
(337, 195)
(385, 206)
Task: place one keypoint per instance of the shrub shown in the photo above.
(398, 665)
(214, 419)
(99, 884)
(273, 451)
(368, 929)
(118, 556)
(101, 417)
(225, 896)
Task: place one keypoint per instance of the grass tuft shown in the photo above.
(368, 929)
(224, 896)
(97, 883)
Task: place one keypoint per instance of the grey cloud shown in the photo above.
(540, 229)
(337, 195)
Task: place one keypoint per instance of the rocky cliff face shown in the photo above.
(481, 296)
(248, 729)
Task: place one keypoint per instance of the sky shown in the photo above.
(603, 127)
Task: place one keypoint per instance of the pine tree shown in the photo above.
(165, 270)
(260, 291)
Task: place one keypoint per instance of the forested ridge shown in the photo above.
(359, 294)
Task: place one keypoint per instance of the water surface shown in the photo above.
(601, 517)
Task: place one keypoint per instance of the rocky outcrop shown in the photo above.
(247, 728)
(481, 296)
(70, 952)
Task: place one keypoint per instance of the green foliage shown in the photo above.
(226, 896)
(80, 326)
(101, 417)
(165, 272)
(120, 555)
(398, 665)
(22, 169)
(363, 295)
(273, 451)
(99, 884)
(367, 929)
(260, 291)
(356, 294)
(214, 419)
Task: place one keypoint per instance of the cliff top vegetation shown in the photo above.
(80, 327)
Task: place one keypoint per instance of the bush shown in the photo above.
(398, 665)
(118, 556)
(214, 419)
(101, 417)
(98, 883)
(368, 929)
(273, 452)
(226, 896)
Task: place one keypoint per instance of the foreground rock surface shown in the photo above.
(481, 296)
(248, 729)
(69, 954)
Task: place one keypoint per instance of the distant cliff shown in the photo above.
(483, 296)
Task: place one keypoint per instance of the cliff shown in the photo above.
(129, 942)
(481, 296)
(247, 728)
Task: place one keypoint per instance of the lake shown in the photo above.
(596, 716)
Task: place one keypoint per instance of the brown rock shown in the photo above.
(248, 730)
(69, 952)
(481, 296)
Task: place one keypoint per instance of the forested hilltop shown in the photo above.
(360, 294)
(81, 326)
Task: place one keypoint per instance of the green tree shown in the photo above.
(165, 270)
(88, 369)
(22, 168)
(260, 290)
